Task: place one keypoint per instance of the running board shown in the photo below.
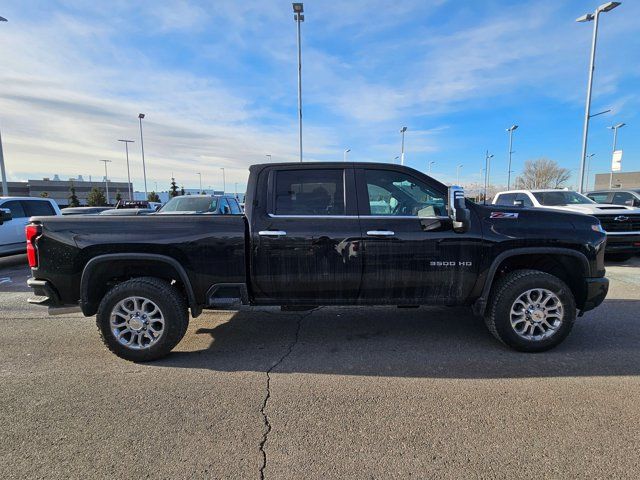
(224, 296)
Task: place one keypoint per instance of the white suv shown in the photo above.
(12, 239)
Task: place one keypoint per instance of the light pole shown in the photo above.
(5, 187)
(431, 163)
(615, 142)
(126, 149)
(106, 178)
(605, 7)
(144, 168)
(268, 158)
(402, 130)
(458, 174)
(396, 158)
(200, 175)
(298, 8)
(589, 157)
(487, 166)
(346, 152)
(510, 130)
(224, 182)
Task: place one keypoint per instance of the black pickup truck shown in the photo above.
(323, 234)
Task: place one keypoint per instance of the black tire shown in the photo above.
(168, 300)
(618, 257)
(508, 289)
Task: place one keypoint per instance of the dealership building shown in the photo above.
(622, 180)
(58, 190)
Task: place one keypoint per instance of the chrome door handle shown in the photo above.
(380, 233)
(272, 233)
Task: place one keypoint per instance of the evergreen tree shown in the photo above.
(182, 190)
(118, 196)
(73, 199)
(173, 190)
(44, 194)
(96, 198)
(153, 197)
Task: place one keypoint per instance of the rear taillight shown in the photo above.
(32, 232)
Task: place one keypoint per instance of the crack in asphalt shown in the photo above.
(265, 417)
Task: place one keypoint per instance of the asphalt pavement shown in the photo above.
(349, 393)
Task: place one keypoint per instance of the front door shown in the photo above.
(305, 242)
(412, 255)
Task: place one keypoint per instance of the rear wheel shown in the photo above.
(530, 311)
(142, 319)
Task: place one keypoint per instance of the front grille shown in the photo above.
(610, 224)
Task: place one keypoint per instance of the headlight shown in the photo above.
(597, 228)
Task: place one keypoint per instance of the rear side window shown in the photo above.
(16, 209)
(37, 208)
(524, 198)
(506, 199)
(235, 207)
(598, 197)
(309, 192)
(621, 198)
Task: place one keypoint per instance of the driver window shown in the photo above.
(398, 194)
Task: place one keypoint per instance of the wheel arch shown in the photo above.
(569, 265)
(103, 271)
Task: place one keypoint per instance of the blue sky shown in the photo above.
(217, 82)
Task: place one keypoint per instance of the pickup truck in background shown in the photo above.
(323, 234)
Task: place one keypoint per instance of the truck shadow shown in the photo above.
(427, 342)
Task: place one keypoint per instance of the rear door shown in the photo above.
(305, 238)
(412, 255)
(12, 237)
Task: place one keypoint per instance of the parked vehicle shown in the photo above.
(309, 238)
(621, 223)
(127, 211)
(83, 210)
(215, 204)
(138, 204)
(629, 198)
(12, 231)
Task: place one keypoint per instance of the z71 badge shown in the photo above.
(503, 215)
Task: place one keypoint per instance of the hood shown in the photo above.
(595, 209)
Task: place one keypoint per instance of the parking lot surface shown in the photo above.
(349, 393)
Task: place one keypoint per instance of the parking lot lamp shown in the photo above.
(224, 181)
(106, 179)
(200, 175)
(431, 163)
(126, 149)
(605, 7)
(298, 8)
(510, 130)
(615, 142)
(5, 188)
(346, 152)
(402, 130)
(144, 168)
(589, 157)
(487, 165)
(458, 174)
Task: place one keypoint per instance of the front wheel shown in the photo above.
(530, 310)
(142, 319)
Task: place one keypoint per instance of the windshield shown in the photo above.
(561, 197)
(191, 204)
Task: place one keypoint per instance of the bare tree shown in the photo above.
(542, 173)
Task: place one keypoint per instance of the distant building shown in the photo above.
(58, 190)
(624, 180)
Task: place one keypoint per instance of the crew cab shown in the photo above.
(323, 234)
(621, 223)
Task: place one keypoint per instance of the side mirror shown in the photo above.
(518, 203)
(458, 211)
(5, 215)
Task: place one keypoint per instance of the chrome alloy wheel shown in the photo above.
(536, 314)
(137, 322)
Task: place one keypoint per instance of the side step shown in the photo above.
(223, 296)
